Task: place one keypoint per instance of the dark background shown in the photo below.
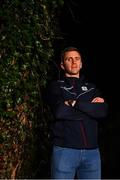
(93, 27)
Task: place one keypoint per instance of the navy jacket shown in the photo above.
(75, 127)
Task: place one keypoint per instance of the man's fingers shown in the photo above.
(98, 99)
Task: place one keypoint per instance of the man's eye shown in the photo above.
(68, 59)
(77, 58)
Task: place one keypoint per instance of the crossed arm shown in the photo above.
(73, 109)
(95, 100)
(97, 108)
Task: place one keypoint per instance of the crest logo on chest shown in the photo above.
(84, 88)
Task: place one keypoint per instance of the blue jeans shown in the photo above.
(68, 163)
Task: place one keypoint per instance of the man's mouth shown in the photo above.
(74, 67)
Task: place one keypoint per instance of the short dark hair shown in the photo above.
(67, 49)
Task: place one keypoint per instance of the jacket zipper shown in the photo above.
(83, 134)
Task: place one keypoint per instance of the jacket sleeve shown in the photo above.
(95, 110)
(60, 111)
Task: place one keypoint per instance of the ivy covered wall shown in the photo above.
(28, 29)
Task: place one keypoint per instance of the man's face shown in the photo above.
(71, 64)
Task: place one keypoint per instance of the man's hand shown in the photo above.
(70, 102)
(98, 100)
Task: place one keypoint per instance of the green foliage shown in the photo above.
(28, 30)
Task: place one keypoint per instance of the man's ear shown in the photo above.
(62, 66)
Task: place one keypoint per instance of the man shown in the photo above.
(77, 107)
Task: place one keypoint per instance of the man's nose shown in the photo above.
(73, 61)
